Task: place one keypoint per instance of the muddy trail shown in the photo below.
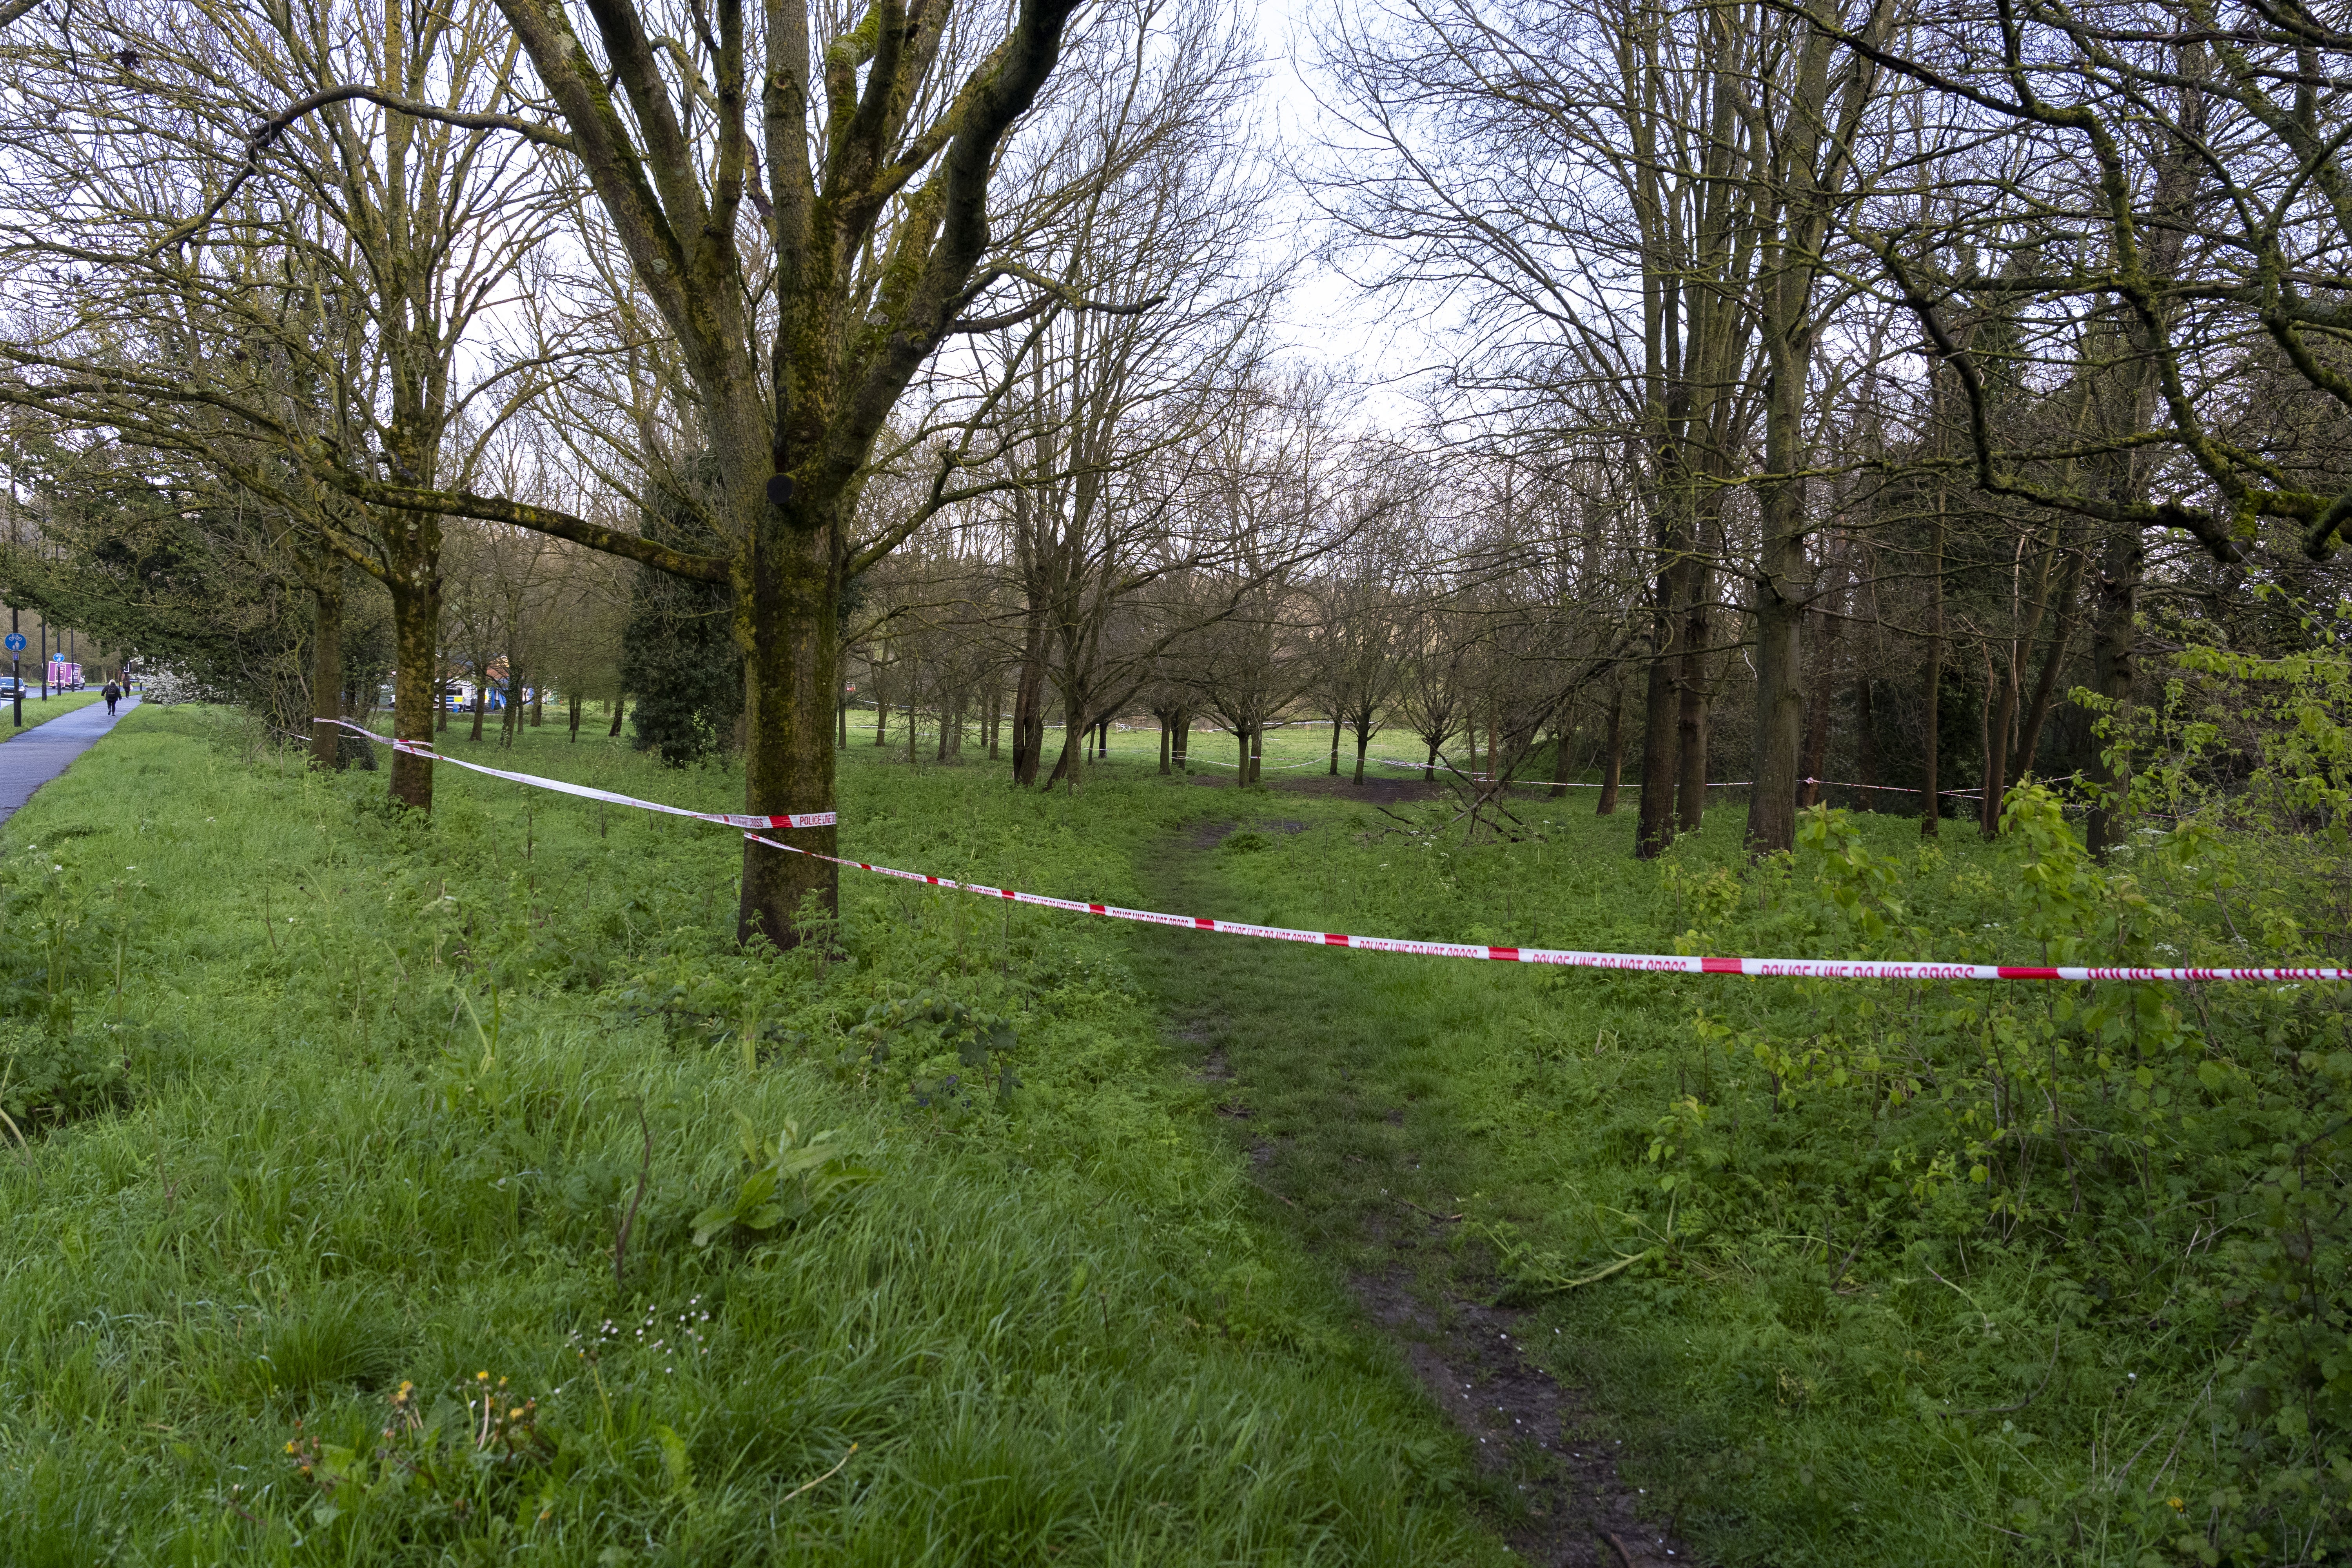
(1359, 1155)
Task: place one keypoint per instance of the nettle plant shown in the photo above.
(945, 1049)
(2172, 1158)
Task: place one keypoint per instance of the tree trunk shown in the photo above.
(1336, 719)
(327, 665)
(2114, 667)
(574, 715)
(1653, 832)
(1865, 740)
(1984, 736)
(1165, 738)
(1029, 709)
(1613, 766)
(2001, 714)
(481, 702)
(1241, 738)
(1819, 701)
(786, 616)
(2045, 686)
(1363, 745)
(620, 709)
(538, 702)
(1691, 712)
(2004, 739)
(414, 580)
(1932, 696)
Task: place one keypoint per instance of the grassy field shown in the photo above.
(333, 1124)
(1862, 1274)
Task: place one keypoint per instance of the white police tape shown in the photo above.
(1673, 964)
(725, 819)
(1670, 964)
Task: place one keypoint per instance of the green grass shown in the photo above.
(320, 1101)
(1831, 1349)
(38, 712)
(357, 1111)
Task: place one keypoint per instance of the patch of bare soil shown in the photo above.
(1532, 1434)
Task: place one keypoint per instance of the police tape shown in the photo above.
(725, 819)
(1671, 963)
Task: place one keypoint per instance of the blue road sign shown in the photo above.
(14, 641)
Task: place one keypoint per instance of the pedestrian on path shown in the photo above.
(112, 693)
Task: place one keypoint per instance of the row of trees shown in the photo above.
(1828, 386)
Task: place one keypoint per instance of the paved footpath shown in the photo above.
(41, 752)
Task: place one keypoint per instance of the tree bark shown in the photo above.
(1931, 698)
(787, 605)
(1865, 738)
(1691, 710)
(574, 715)
(1653, 833)
(620, 709)
(1029, 709)
(2045, 686)
(2114, 669)
(1613, 765)
(327, 664)
(414, 578)
(1819, 701)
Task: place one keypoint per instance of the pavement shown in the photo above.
(41, 752)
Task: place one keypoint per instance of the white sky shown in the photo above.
(1326, 318)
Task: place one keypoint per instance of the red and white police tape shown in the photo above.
(725, 819)
(1671, 963)
(1800, 968)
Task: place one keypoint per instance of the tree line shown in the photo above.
(1873, 391)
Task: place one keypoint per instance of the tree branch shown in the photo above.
(259, 139)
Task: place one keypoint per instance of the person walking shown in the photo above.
(112, 693)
